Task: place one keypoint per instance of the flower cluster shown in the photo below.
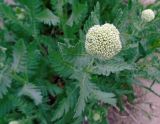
(103, 41)
(147, 15)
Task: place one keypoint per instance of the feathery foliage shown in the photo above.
(47, 77)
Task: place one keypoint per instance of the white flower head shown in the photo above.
(147, 15)
(103, 41)
(13, 122)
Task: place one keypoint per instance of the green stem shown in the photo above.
(89, 69)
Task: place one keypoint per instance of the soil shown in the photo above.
(146, 109)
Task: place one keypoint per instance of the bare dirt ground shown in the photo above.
(146, 109)
(151, 105)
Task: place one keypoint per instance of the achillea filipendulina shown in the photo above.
(103, 41)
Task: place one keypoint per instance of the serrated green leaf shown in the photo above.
(32, 92)
(53, 89)
(85, 87)
(111, 66)
(5, 83)
(32, 5)
(47, 17)
(7, 12)
(78, 13)
(93, 18)
(104, 97)
(62, 109)
(33, 58)
(63, 67)
(19, 57)
(6, 105)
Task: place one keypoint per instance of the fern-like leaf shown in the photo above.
(62, 109)
(33, 56)
(6, 105)
(88, 89)
(93, 18)
(104, 97)
(112, 66)
(78, 13)
(32, 92)
(32, 5)
(85, 87)
(24, 106)
(47, 17)
(19, 57)
(7, 12)
(5, 83)
(61, 66)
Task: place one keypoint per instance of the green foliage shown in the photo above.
(19, 57)
(105, 97)
(85, 90)
(5, 83)
(62, 109)
(61, 66)
(33, 6)
(7, 11)
(47, 77)
(6, 105)
(112, 66)
(93, 19)
(47, 17)
(33, 92)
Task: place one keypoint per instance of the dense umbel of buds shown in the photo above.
(147, 15)
(103, 41)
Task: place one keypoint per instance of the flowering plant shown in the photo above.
(68, 61)
(103, 41)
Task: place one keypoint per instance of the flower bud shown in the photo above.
(96, 117)
(147, 15)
